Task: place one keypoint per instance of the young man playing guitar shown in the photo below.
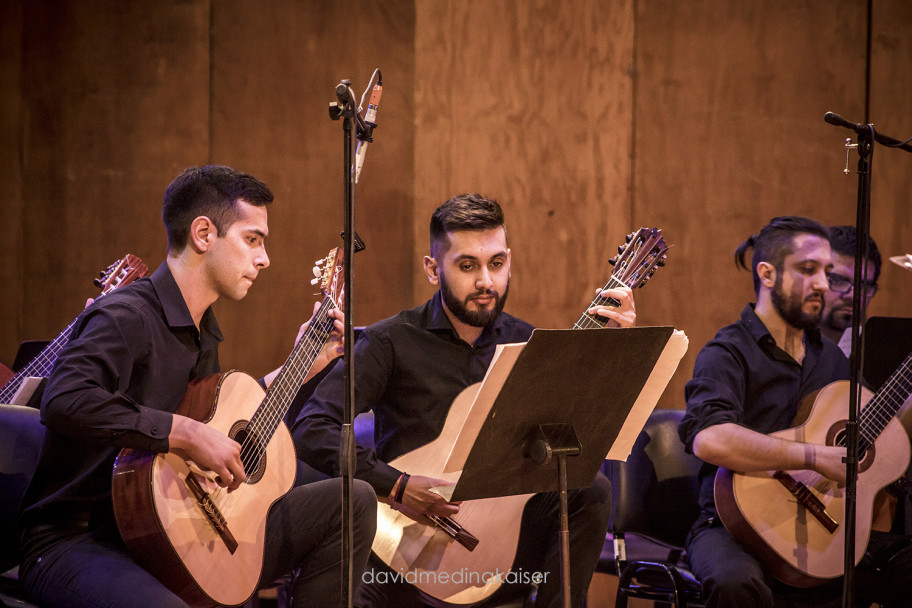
(747, 383)
(410, 368)
(118, 384)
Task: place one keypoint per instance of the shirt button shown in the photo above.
(155, 430)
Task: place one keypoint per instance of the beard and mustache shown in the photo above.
(791, 307)
(484, 317)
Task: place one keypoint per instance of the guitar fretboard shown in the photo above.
(590, 321)
(884, 404)
(278, 399)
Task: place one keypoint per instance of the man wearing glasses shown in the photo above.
(837, 314)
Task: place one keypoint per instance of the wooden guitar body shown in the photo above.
(431, 559)
(766, 517)
(167, 527)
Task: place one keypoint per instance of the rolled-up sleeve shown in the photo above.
(715, 393)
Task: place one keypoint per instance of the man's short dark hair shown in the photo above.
(843, 240)
(776, 241)
(463, 212)
(212, 191)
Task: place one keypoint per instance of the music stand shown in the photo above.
(887, 341)
(568, 393)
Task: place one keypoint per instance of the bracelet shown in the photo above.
(400, 491)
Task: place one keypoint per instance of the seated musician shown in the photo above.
(118, 384)
(836, 322)
(747, 382)
(408, 370)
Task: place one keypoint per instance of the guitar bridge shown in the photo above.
(807, 500)
(212, 513)
(455, 531)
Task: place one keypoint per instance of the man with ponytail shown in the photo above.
(747, 383)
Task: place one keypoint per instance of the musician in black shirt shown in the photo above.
(408, 370)
(117, 385)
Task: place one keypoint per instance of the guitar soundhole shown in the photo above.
(253, 452)
(837, 436)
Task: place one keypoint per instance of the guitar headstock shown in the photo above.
(329, 276)
(638, 259)
(121, 273)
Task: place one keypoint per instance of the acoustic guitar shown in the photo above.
(457, 559)
(203, 543)
(119, 274)
(793, 521)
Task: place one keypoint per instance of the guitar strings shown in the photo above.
(271, 411)
(881, 408)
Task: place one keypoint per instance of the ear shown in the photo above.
(202, 233)
(431, 270)
(767, 274)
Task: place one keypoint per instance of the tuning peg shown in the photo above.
(613, 261)
(315, 281)
(628, 238)
(621, 249)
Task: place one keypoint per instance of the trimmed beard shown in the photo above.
(473, 318)
(790, 308)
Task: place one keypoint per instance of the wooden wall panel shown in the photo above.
(530, 103)
(891, 176)
(275, 68)
(584, 118)
(11, 262)
(730, 133)
(114, 101)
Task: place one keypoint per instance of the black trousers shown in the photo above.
(93, 567)
(733, 577)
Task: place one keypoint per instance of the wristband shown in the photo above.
(400, 491)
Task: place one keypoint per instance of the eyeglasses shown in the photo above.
(843, 285)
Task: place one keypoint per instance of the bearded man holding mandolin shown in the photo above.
(767, 415)
(127, 384)
(409, 369)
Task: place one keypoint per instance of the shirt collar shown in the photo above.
(175, 308)
(762, 336)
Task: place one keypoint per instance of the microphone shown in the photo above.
(370, 121)
(839, 121)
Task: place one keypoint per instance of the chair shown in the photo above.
(21, 436)
(655, 500)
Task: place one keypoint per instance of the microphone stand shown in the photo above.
(865, 147)
(346, 109)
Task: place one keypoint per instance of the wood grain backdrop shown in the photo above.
(584, 118)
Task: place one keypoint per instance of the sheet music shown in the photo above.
(501, 365)
(504, 357)
(661, 374)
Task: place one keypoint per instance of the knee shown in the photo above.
(364, 506)
(596, 499)
(364, 500)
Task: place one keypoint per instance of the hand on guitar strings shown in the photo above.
(826, 460)
(209, 449)
(622, 315)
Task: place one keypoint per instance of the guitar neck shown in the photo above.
(885, 403)
(39, 367)
(285, 386)
(589, 321)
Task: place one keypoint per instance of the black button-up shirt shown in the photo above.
(408, 369)
(115, 385)
(742, 376)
